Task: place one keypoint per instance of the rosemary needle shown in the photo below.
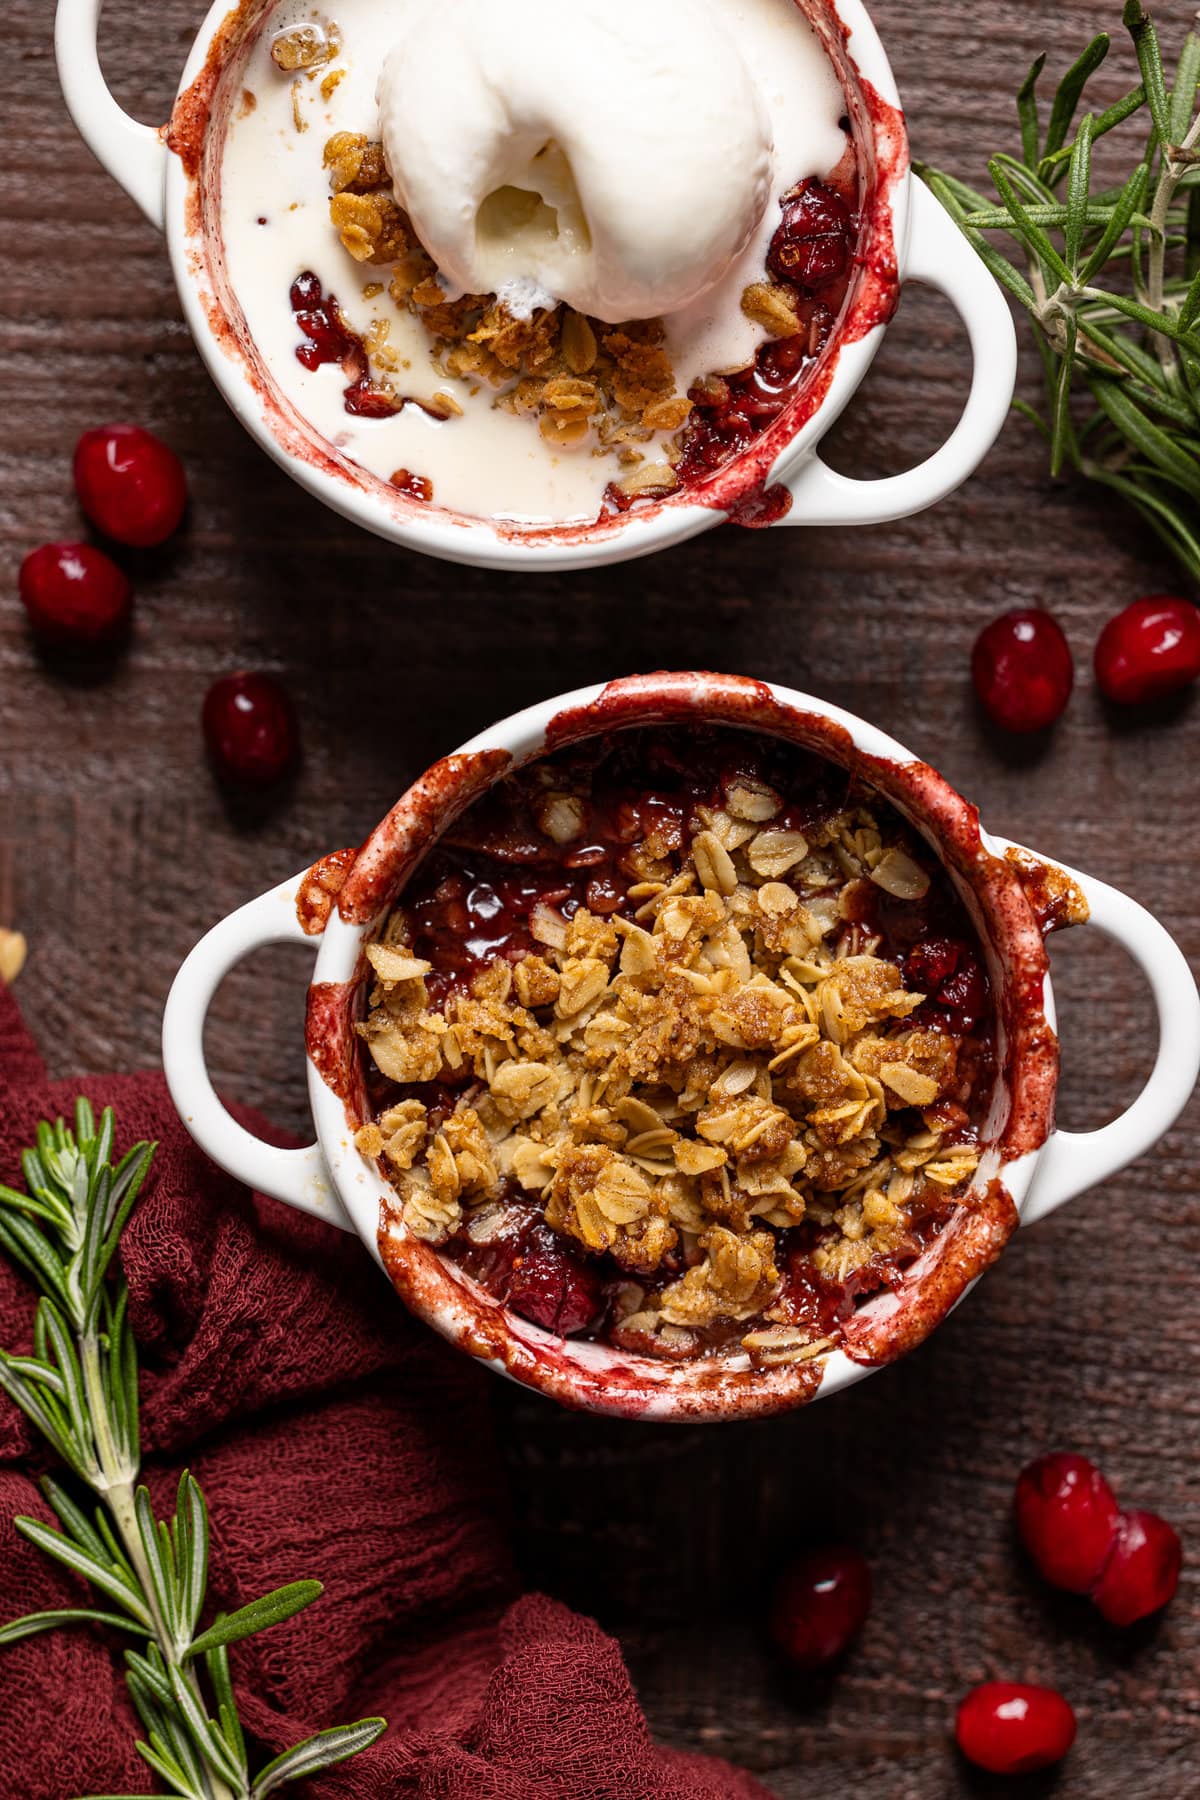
(80, 1389)
(1111, 279)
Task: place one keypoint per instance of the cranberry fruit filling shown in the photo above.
(553, 1288)
(328, 339)
(812, 246)
(679, 1039)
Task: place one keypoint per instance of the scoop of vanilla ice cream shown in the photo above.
(615, 158)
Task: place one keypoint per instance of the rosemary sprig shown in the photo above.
(80, 1389)
(1111, 279)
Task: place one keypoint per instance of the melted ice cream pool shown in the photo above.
(275, 223)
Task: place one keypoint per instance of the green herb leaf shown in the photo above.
(72, 1557)
(216, 1661)
(75, 1521)
(74, 1398)
(127, 1184)
(1051, 167)
(1189, 312)
(31, 1206)
(161, 1574)
(1061, 435)
(30, 1247)
(1165, 322)
(1145, 42)
(1183, 94)
(80, 1389)
(152, 1676)
(1079, 179)
(1027, 182)
(259, 1615)
(1096, 214)
(317, 1753)
(1070, 91)
(69, 1615)
(1034, 417)
(205, 1736)
(1132, 197)
(191, 1515)
(1154, 443)
(42, 1409)
(41, 1372)
(954, 194)
(1163, 518)
(169, 1769)
(1027, 111)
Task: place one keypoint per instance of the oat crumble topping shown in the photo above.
(579, 378)
(584, 382)
(677, 1081)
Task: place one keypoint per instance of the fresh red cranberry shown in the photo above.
(75, 596)
(555, 1289)
(130, 484)
(950, 975)
(812, 244)
(250, 729)
(1148, 651)
(821, 1605)
(1066, 1516)
(1142, 1572)
(1012, 1728)
(1022, 670)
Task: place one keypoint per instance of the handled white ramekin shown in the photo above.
(1033, 1167)
(171, 174)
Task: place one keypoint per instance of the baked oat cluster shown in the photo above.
(677, 1086)
(582, 380)
(306, 52)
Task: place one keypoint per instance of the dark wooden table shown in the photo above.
(116, 851)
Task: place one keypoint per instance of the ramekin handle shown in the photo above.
(1075, 1160)
(297, 1176)
(941, 256)
(134, 155)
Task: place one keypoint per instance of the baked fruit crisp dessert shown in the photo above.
(682, 1041)
(534, 271)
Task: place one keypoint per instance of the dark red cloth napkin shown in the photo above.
(333, 1437)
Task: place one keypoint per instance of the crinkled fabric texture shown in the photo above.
(334, 1437)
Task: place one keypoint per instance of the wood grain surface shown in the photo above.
(117, 851)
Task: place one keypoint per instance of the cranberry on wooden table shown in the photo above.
(250, 729)
(130, 484)
(821, 1605)
(1022, 670)
(1068, 1519)
(1142, 1572)
(1150, 650)
(1013, 1728)
(75, 596)
(1066, 1516)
